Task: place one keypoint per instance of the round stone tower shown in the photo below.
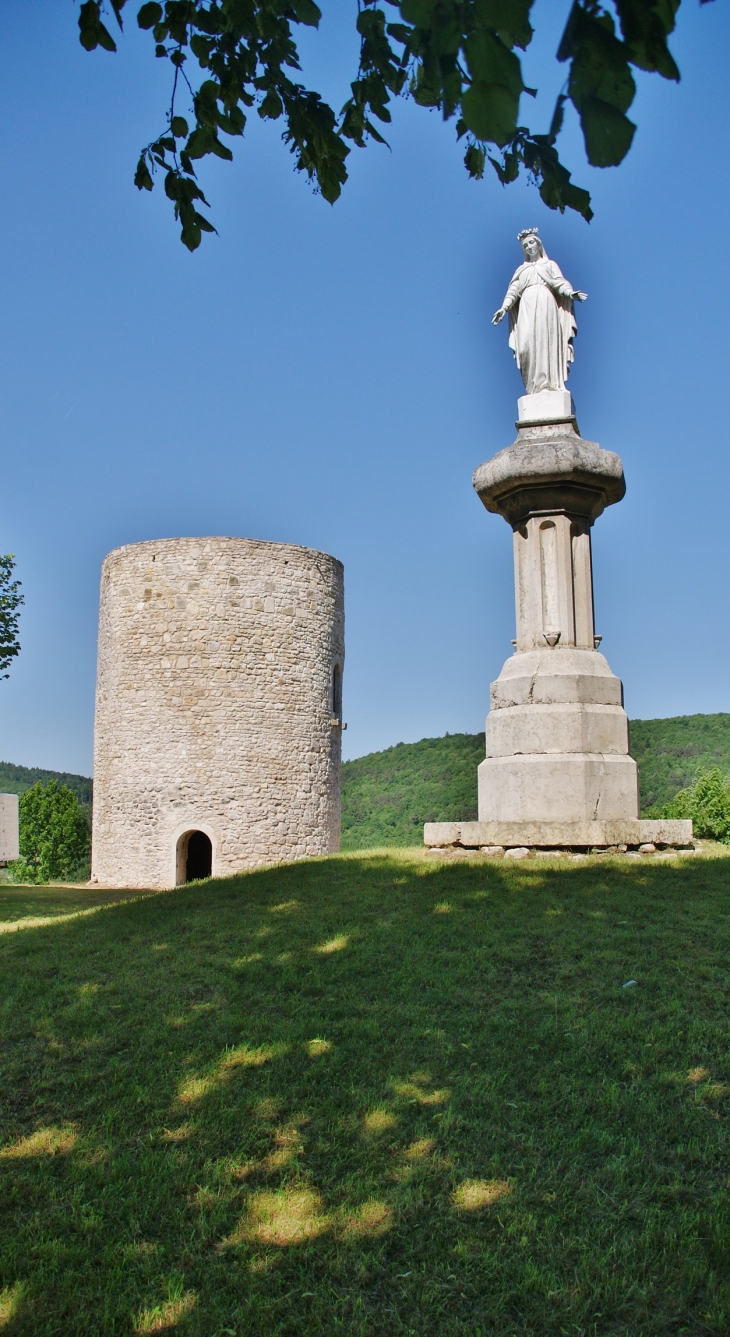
(218, 724)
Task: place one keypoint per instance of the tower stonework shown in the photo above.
(218, 726)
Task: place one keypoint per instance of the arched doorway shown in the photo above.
(194, 857)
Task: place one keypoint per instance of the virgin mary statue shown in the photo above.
(542, 325)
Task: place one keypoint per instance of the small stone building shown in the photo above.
(9, 828)
(218, 726)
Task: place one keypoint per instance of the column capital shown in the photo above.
(550, 469)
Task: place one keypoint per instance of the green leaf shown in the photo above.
(232, 123)
(645, 25)
(474, 160)
(509, 18)
(179, 127)
(305, 11)
(556, 124)
(418, 11)
(149, 15)
(142, 178)
(490, 62)
(600, 66)
(508, 170)
(399, 32)
(221, 150)
(201, 48)
(607, 132)
(200, 141)
(271, 106)
(490, 111)
(118, 6)
(92, 32)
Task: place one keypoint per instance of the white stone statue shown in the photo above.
(542, 325)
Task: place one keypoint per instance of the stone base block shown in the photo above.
(565, 675)
(558, 835)
(546, 406)
(558, 787)
(563, 727)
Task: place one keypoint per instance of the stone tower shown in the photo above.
(218, 723)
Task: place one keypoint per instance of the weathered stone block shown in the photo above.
(665, 831)
(558, 787)
(441, 833)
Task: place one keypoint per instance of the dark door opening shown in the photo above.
(199, 860)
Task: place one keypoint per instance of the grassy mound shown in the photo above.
(374, 1094)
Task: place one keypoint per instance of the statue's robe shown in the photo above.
(542, 324)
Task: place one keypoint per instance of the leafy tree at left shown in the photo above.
(54, 836)
(10, 602)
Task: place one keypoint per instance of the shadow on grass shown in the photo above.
(372, 1094)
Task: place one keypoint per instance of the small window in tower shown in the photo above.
(337, 692)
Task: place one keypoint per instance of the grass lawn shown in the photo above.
(373, 1094)
(19, 903)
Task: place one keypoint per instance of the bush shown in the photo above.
(707, 802)
(54, 836)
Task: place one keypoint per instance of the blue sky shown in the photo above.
(329, 376)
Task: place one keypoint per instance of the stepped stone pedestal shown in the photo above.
(557, 771)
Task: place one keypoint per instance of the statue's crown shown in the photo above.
(527, 232)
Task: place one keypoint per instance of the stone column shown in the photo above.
(557, 773)
(557, 733)
(553, 581)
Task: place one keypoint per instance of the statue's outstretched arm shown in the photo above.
(511, 298)
(560, 284)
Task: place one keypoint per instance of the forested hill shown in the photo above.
(387, 796)
(16, 779)
(670, 753)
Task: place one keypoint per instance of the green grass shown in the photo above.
(374, 1094)
(18, 903)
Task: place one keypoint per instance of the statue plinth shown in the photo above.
(558, 771)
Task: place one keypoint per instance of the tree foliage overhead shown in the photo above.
(459, 56)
